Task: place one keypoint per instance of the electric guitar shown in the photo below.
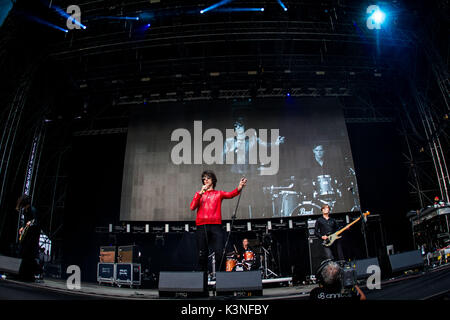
(25, 230)
(333, 237)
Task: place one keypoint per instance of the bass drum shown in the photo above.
(307, 208)
(230, 264)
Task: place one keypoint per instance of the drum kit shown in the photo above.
(245, 264)
(289, 201)
(259, 258)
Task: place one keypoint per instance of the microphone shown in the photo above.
(242, 178)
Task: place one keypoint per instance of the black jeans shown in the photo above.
(337, 248)
(210, 236)
(29, 267)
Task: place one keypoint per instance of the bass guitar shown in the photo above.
(25, 230)
(337, 235)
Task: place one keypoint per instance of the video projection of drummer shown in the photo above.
(295, 154)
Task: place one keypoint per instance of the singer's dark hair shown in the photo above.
(210, 174)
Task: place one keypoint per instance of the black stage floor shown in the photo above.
(433, 284)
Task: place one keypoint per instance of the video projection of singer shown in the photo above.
(295, 154)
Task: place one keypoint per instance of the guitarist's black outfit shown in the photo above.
(326, 227)
(29, 246)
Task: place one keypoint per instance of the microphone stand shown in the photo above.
(363, 221)
(233, 218)
(363, 230)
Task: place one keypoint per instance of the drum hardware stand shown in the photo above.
(267, 271)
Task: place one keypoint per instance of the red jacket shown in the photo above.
(209, 205)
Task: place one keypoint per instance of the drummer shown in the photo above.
(246, 254)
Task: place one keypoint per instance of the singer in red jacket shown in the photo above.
(208, 203)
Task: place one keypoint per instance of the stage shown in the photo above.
(433, 284)
(142, 140)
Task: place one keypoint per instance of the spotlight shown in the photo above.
(288, 94)
(68, 17)
(378, 16)
(214, 6)
(282, 5)
(240, 10)
(116, 18)
(46, 23)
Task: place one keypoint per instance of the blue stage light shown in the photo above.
(379, 16)
(240, 10)
(288, 94)
(68, 16)
(376, 17)
(215, 6)
(46, 23)
(282, 5)
(117, 18)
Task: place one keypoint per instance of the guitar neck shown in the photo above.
(347, 226)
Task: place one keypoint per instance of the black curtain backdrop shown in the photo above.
(383, 178)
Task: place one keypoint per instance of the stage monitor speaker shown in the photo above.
(10, 265)
(183, 284)
(128, 254)
(244, 283)
(316, 254)
(406, 261)
(362, 265)
(108, 254)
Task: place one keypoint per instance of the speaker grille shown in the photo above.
(239, 281)
(182, 281)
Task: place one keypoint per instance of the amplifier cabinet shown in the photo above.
(108, 254)
(128, 254)
(106, 272)
(128, 274)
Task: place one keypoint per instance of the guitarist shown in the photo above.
(325, 226)
(29, 239)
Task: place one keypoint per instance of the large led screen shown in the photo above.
(295, 154)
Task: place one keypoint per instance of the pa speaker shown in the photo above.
(183, 284)
(362, 265)
(406, 261)
(10, 265)
(243, 283)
